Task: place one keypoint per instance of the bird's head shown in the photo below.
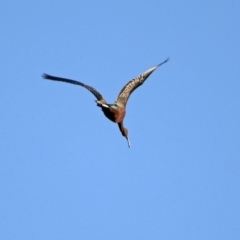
(125, 134)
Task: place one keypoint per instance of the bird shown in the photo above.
(116, 111)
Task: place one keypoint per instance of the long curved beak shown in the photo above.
(128, 142)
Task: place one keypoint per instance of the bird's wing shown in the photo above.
(91, 89)
(126, 91)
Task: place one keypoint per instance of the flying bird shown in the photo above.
(116, 111)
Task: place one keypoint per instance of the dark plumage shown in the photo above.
(115, 112)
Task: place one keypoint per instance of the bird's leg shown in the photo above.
(100, 104)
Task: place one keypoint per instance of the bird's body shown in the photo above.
(117, 111)
(114, 113)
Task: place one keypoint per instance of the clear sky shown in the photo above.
(65, 170)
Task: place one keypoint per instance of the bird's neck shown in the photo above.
(121, 128)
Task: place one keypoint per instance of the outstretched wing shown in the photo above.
(134, 84)
(92, 90)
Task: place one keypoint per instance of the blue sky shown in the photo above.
(67, 173)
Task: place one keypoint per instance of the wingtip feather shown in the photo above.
(44, 75)
(163, 62)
